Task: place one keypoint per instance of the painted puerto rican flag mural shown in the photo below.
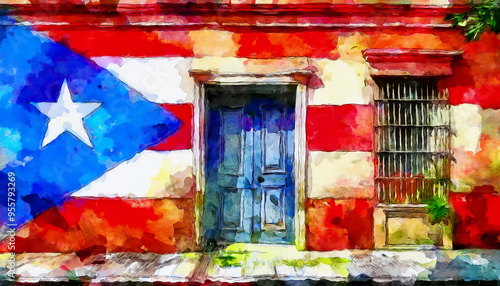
(96, 116)
(92, 148)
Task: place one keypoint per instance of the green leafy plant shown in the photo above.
(482, 16)
(299, 263)
(438, 210)
(225, 259)
(233, 256)
(338, 264)
(191, 256)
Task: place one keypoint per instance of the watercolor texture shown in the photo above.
(235, 141)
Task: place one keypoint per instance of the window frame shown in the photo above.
(391, 185)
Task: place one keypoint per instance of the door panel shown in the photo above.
(234, 136)
(273, 170)
(249, 195)
(273, 212)
(232, 209)
(273, 139)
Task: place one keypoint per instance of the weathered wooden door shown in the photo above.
(249, 195)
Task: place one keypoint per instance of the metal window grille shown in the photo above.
(412, 135)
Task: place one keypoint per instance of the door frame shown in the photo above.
(299, 77)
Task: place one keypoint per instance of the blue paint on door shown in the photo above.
(249, 194)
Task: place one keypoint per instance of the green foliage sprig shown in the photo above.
(438, 209)
(482, 16)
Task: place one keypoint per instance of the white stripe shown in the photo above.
(150, 174)
(160, 80)
(467, 124)
(344, 83)
(340, 174)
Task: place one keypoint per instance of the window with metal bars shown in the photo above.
(412, 141)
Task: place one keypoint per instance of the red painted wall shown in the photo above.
(339, 128)
(476, 77)
(82, 225)
(339, 224)
(477, 218)
(122, 43)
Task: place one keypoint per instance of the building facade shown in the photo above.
(327, 125)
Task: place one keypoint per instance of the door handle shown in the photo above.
(261, 179)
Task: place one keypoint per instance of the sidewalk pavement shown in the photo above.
(242, 263)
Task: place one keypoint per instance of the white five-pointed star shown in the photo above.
(66, 115)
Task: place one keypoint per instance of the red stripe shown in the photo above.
(181, 139)
(317, 44)
(339, 224)
(339, 128)
(154, 225)
(477, 220)
(132, 43)
(476, 77)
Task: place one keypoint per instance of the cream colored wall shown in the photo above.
(344, 81)
(476, 147)
(340, 175)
